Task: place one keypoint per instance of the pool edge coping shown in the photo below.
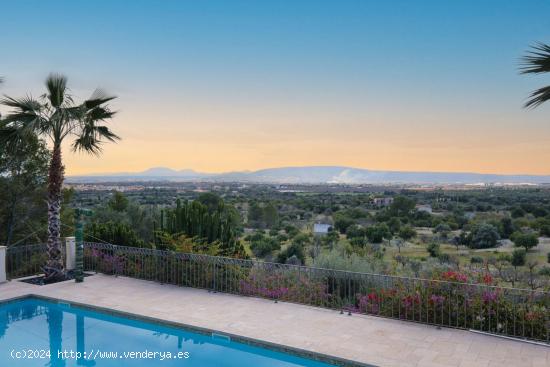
(298, 352)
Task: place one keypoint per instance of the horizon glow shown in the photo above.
(220, 86)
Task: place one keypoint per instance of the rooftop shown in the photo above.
(368, 339)
(321, 228)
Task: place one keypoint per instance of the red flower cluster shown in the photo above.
(454, 276)
(409, 301)
(487, 279)
(372, 297)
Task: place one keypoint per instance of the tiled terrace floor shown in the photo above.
(367, 339)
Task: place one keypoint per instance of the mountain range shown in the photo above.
(313, 175)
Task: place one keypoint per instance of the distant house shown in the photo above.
(320, 229)
(424, 208)
(387, 201)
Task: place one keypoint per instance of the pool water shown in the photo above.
(35, 332)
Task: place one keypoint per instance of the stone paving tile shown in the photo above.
(377, 341)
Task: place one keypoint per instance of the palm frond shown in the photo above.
(538, 97)
(105, 133)
(25, 104)
(56, 84)
(537, 60)
(14, 137)
(92, 137)
(100, 114)
(98, 97)
(26, 113)
(87, 116)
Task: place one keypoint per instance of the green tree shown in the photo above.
(255, 215)
(119, 202)
(525, 240)
(537, 61)
(377, 233)
(116, 233)
(402, 206)
(291, 230)
(484, 236)
(433, 249)
(194, 220)
(270, 216)
(264, 245)
(443, 229)
(302, 239)
(56, 116)
(517, 212)
(407, 232)
(394, 225)
(330, 239)
(295, 249)
(211, 200)
(355, 231)
(356, 235)
(506, 227)
(518, 258)
(342, 221)
(23, 175)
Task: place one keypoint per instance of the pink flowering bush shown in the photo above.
(453, 304)
(104, 261)
(454, 276)
(284, 285)
(447, 301)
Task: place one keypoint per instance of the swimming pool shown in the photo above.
(36, 332)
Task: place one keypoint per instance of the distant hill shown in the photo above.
(315, 174)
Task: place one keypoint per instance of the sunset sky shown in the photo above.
(244, 85)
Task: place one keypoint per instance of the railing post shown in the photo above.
(70, 253)
(3, 276)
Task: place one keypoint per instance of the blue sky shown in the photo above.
(230, 85)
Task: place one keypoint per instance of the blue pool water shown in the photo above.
(34, 332)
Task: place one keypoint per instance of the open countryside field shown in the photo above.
(423, 233)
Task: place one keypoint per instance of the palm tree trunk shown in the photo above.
(54, 265)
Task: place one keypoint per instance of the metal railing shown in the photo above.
(23, 261)
(27, 260)
(519, 313)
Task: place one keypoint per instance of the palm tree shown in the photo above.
(537, 61)
(56, 116)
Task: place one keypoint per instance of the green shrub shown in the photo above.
(484, 236)
(295, 249)
(433, 249)
(442, 228)
(445, 258)
(476, 260)
(264, 246)
(342, 222)
(355, 231)
(376, 234)
(518, 257)
(407, 232)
